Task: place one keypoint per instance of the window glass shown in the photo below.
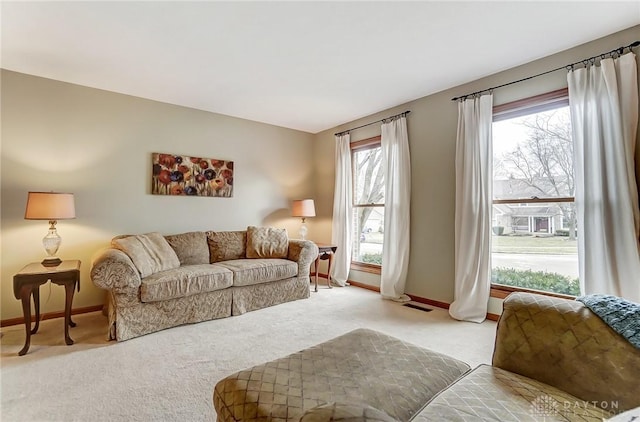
(533, 156)
(368, 178)
(534, 242)
(370, 226)
(368, 206)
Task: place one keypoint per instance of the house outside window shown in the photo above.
(368, 203)
(534, 242)
(520, 224)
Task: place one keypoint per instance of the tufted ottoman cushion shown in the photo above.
(489, 394)
(363, 367)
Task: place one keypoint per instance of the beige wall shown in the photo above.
(432, 136)
(98, 145)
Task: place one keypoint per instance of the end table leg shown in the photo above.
(25, 295)
(69, 288)
(316, 275)
(75, 285)
(36, 303)
(329, 270)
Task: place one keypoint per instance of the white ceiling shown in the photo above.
(303, 65)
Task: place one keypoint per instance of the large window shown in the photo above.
(534, 220)
(368, 202)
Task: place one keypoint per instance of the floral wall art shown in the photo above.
(192, 176)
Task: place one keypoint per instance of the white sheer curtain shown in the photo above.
(604, 116)
(474, 180)
(396, 165)
(341, 229)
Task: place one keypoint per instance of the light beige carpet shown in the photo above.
(169, 375)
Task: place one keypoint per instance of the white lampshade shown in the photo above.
(50, 206)
(303, 208)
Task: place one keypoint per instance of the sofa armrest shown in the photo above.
(112, 269)
(304, 252)
(562, 343)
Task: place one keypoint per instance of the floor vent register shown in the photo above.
(417, 306)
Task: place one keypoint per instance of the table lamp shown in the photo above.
(303, 208)
(52, 206)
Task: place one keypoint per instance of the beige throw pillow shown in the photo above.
(224, 246)
(267, 242)
(191, 247)
(149, 252)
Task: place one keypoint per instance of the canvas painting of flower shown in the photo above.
(191, 176)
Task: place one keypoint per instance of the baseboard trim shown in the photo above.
(364, 286)
(493, 317)
(50, 315)
(419, 299)
(436, 303)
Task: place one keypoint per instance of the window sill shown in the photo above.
(367, 268)
(499, 291)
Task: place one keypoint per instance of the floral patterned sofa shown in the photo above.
(157, 282)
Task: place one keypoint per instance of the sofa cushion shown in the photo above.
(492, 394)
(267, 242)
(191, 248)
(224, 246)
(184, 281)
(149, 252)
(255, 271)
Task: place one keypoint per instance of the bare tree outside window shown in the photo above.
(370, 189)
(534, 221)
(368, 184)
(542, 166)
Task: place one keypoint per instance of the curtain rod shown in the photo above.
(585, 62)
(403, 114)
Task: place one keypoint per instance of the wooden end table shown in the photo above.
(324, 252)
(27, 283)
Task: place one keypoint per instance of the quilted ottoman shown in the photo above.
(362, 368)
(490, 394)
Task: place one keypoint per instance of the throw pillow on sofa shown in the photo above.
(149, 252)
(191, 247)
(267, 242)
(225, 246)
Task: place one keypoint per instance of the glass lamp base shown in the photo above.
(51, 243)
(303, 231)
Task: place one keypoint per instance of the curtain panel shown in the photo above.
(396, 164)
(604, 117)
(474, 202)
(341, 227)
